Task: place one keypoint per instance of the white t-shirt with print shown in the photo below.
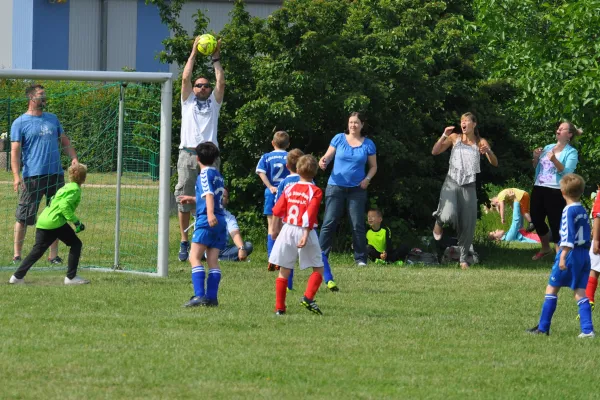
(548, 172)
(199, 121)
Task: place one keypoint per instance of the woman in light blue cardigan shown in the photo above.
(551, 163)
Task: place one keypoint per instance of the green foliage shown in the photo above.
(549, 51)
(409, 65)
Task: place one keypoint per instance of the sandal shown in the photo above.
(539, 255)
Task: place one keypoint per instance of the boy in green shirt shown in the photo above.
(379, 242)
(53, 224)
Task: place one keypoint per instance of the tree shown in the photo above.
(549, 51)
(409, 65)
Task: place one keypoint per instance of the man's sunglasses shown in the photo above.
(201, 85)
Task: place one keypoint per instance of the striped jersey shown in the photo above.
(209, 181)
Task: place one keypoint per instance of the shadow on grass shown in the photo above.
(512, 256)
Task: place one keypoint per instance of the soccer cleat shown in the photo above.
(184, 251)
(195, 301)
(289, 290)
(77, 280)
(536, 331)
(590, 335)
(16, 260)
(380, 261)
(16, 281)
(280, 312)
(332, 286)
(55, 261)
(399, 263)
(310, 305)
(209, 302)
(361, 263)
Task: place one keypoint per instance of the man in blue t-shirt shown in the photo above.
(35, 138)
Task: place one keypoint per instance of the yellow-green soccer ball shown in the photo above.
(207, 44)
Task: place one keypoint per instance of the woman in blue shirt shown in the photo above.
(551, 163)
(351, 154)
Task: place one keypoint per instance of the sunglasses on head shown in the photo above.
(201, 85)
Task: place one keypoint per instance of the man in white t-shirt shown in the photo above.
(200, 107)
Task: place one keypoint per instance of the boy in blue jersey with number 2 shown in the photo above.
(210, 229)
(572, 263)
(272, 170)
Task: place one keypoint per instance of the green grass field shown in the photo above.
(391, 332)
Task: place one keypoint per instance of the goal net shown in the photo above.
(115, 129)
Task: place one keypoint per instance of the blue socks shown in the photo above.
(198, 275)
(327, 275)
(291, 280)
(548, 309)
(585, 315)
(270, 243)
(212, 283)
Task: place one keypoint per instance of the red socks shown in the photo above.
(280, 292)
(314, 282)
(590, 290)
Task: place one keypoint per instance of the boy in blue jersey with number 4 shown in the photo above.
(572, 263)
(272, 170)
(210, 229)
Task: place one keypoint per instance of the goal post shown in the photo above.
(164, 146)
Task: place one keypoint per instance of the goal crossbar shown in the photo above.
(166, 108)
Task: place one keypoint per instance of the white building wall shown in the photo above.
(6, 27)
(85, 41)
(121, 32)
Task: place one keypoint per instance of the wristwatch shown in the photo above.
(242, 248)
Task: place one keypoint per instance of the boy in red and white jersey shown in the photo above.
(592, 284)
(298, 207)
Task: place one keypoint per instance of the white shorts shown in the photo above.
(285, 250)
(594, 259)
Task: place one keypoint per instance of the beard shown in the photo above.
(202, 97)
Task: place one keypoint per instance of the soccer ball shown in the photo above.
(207, 44)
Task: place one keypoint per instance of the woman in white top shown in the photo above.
(458, 198)
(551, 163)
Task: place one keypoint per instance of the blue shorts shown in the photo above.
(578, 269)
(269, 202)
(212, 238)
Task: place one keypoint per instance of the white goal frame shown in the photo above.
(166, 109)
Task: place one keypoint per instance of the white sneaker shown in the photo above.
(361, 264)
(587, 335)
(76, 281)
(16, 281)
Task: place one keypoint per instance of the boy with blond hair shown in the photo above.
(298, 208)
(272, 170)
(572, 263)
(53, 224)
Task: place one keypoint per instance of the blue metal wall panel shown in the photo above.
(22, 37)
(150, 34)
(50, 35)
(85, 35)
